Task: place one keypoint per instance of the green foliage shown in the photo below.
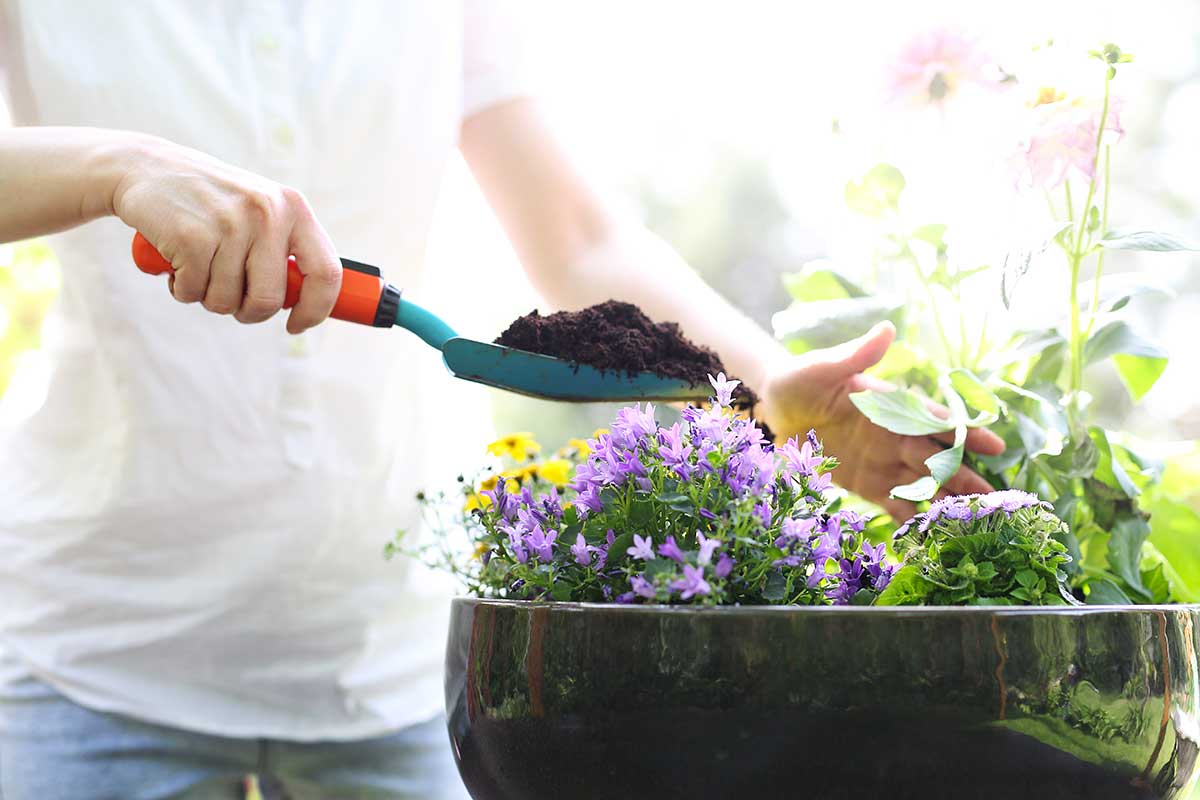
(1130, 540)
(999, 558)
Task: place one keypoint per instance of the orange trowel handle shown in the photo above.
(365, 297)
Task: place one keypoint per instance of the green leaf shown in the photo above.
(1135, 239)
(907, 588)
(934, 234)
(819, 280)
(1125, 551)
(824, 323)
(1139, 373)
(901, 411)
(1108, 468)
(877, 193)
(1117, 289)
(977, 395)
(775, 587)
(944, 464)
(1117, 337)
(1027, 578)
(616, 553)
(1155, 581)
(1017, 263)
(921, 489)
(1103, 592)
(561, 591)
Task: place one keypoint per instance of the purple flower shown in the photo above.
(588, 502)
(724, 388)
(829, 545)
(763, 512)
(707, 548)
(603, 549)
(793, 530)
(800, 460)
(625, 598)
(517, 545)
(812, 440)
(642, 548)
(606, 590)
(704, 512)
(671, 550)
(642, 587)
(724, 566)
(849, 581)
(581, 551)
(1007, 500)
(504, 503)
(633, 425)
(552, 504)
(820, 483)
(692, 583)
(672, 449)
(541, 543)
(853, 520)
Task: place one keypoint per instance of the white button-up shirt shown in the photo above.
(192, 517)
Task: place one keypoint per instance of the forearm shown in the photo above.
(634, 265)
(57, 178)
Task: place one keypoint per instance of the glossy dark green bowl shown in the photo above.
(568, 702)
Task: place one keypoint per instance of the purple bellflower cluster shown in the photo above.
(704, 510)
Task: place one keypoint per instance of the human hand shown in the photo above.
(227, 233)
(813, 391)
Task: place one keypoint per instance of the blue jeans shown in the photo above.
(54, 749)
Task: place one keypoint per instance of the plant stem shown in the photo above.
(1100, 256)
(933, 309)
(1077, 254)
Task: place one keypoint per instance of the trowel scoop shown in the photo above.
(367, 299)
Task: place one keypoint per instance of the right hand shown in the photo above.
(228, 234)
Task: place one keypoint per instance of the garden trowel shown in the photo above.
(367, 299)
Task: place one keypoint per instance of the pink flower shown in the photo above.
(936, 64)
(1061, 143)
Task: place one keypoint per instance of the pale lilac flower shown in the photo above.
(643, 548)
(724, 388)
(581, 551)
(692, 583)
(801, 460)
(670, 549)
(724, 566)
(642, 587)
(937, 64)
(828, 545)
(818, 484)
(633, 425)
(552, 504)
(707, 547)
(1061, 143)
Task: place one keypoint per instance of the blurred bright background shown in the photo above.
(731, 131)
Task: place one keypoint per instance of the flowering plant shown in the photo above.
(1001, 548)
(704, 510)
(1027, 385)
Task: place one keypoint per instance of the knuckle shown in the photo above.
(260, 305)
(328, 273)
(259, 206)
(219, 305)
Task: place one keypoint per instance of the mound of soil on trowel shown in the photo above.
(619, 337)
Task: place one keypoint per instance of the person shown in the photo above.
(191, 585)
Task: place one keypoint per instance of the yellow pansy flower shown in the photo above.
(556, 471)
(480, 549)
(489, 484)
(517, 446)
(521, 474)
(580, 446)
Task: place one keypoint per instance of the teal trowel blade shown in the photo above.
(552, 378)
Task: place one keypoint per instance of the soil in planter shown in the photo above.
(618, 336)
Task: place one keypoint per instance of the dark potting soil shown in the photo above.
(620, 337)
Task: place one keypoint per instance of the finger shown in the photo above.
(877, 487)
(266, 277)
(967, 481)
(322, 271)
(984, 442)
(191, 259)
(227, 277)
(866, 351)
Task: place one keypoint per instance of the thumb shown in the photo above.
(867, 350)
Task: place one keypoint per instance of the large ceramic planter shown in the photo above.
(569, 702)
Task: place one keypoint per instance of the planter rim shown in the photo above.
(555, 605)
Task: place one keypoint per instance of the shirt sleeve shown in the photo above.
(494, 58)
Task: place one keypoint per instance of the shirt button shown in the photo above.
(284, 136)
